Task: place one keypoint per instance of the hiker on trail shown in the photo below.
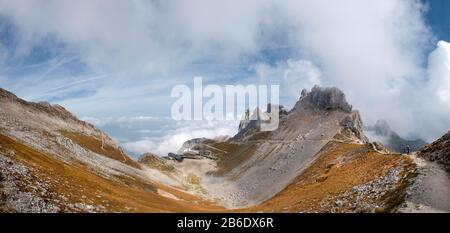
(407, 149)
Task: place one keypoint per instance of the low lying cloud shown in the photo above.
(172, 140)
(292, 75)
(121, 120)
(431, 105)
(160, 135)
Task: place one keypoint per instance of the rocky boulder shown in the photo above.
(156, 162)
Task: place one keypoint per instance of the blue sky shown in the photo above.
(438, 18)
(116, 66)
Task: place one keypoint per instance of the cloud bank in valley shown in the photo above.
(173, 139)
(122, 57)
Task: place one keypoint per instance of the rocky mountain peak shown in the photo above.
(250, 122)
(382, 132)
(325, 98)
(382, 128)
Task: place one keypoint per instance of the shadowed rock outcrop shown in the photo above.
(438, 151)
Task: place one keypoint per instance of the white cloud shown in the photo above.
(293, 75)
(141, 146)
(138, 35)
(101, 121)
(300, 75)
(172, 140)
(373, 50)
(439, 72)
(432, 103)
(419, 107)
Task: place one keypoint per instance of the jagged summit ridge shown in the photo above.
(250, 123)
(325, 98)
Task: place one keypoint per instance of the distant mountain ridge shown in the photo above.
(382, 132)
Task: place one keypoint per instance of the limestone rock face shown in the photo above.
(354, 125)
(250, 123)
(329, 98)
